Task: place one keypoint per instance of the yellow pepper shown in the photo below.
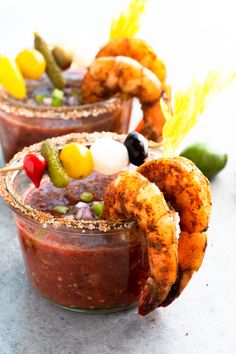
(11, 78)
(31, 63)
(77, 160)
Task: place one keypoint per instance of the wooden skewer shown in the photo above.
(10, 169)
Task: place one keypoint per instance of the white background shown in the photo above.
(189, 35)
(192, 37)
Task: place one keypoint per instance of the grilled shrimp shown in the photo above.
(153, 120)
(132, 196)
(188, 191)
(107, 76)
(138, 50)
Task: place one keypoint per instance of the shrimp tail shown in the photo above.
(191, 251)
(150, 298)
(188, 190)
(132, 196)
(153, 120)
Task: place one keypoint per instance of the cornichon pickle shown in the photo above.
(205, 158)
(63, 57)
(56, 171)
(52, 69)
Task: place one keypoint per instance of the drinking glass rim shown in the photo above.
(15, 201)
(19, 108)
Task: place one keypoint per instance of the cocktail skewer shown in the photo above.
(21, 167)
(11, 169)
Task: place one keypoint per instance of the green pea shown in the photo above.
(86, 197)
(206, 159)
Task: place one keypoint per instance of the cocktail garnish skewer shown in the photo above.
(11, 169)
(21, 167)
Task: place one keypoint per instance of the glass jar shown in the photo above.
(82, 265)
(22, 124)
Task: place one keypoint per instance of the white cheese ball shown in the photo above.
(109, 156)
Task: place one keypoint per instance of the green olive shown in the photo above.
(205, 158)
(63, 57)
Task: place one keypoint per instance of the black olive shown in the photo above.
(137, 147)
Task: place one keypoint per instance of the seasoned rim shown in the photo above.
(15, 200)
(19, 108)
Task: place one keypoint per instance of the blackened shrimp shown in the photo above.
(188, 191)
(108, 76)
(137, 49)
(132, 196)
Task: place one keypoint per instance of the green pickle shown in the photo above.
(52, 69)
(206, 159)
(56, 171)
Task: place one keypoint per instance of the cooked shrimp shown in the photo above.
(132, 196)
(188, 191)
(110, 75)
(138, 50)
(153, 120)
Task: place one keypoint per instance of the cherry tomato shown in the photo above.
(34, 166)
(31, 63)
(77, 160)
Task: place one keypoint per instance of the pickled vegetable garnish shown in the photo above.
(55, 169)
(77, 160)
(31, 63)
(11, 78)
(52, 69)
(62, 56)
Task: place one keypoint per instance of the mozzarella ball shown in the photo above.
(109, 156)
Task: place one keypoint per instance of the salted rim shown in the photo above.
(15, 201)
(19, 108)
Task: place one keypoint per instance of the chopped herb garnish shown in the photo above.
(58, 94)
(86, 197)
(56, 102)
(40, 97)
(97, 208)
(61, 209)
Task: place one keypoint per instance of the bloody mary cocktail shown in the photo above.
(81, 264)
(25, 122)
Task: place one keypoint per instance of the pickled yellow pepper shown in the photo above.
(11, 78)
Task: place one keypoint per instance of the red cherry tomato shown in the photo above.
(34, 166)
